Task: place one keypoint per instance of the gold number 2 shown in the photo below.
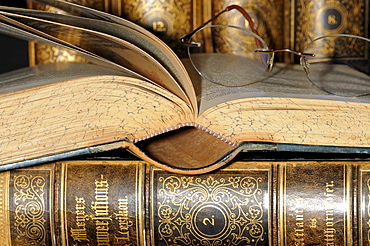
(209, 220)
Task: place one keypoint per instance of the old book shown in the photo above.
(167, 20)
(312, 18)
(247, 203)
(135, 93)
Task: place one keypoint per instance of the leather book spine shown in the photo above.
(313, 18)
(268, 19)
(134, 203)
(315, 204)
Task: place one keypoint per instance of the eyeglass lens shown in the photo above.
(340, 66)
(228, 62)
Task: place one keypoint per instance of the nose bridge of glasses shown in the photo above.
(192, 44)
(305, 65)
(302, 54)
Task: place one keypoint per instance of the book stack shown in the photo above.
(126, 144)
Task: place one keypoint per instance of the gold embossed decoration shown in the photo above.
(210, 210)
(366, 225)
(323, 17)
(29, 218)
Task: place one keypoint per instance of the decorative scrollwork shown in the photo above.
(210, 211)
(29, 218)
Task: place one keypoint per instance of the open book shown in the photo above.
(136, 93)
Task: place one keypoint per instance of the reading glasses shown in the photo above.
(337, 64)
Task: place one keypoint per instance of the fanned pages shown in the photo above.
(149, 45)
(174, 65)
(119, 51)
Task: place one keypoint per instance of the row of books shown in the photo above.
(195, 177)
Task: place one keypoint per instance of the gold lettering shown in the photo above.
(299, 242)
(329, 213)
(299, 224)
(80, 200)
(81, 224)
(298, 216)
(102, 235)
(101, 183)
(313, 223)
(159, 26)
(209, 220)
(332, 20)
(101, 209)
(124, 236)
(101, 223)
(123, 220)
(79, 234)
(330, 185)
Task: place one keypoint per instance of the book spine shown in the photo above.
(316, 204)
(169, 19)
(268, 18)
(133, 203)
(314, 18)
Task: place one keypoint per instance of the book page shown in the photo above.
(284, 80)
(111, 48)
(79, 10)
(29, 36)
(162, 53)
(39, 75)
(97, 110)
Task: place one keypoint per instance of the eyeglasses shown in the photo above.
(337, 64)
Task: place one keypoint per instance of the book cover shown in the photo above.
(254, 203)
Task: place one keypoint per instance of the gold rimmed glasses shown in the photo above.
(337, 64)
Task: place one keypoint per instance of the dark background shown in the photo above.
(13, 52)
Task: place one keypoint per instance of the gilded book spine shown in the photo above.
(133, 203)
(267, 16)
(314, 18)
(316, 204)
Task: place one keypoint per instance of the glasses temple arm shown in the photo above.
(187, 37)
(246, 16)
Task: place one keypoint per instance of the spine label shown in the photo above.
(313, 204)
(229, 208)
(105, 200)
